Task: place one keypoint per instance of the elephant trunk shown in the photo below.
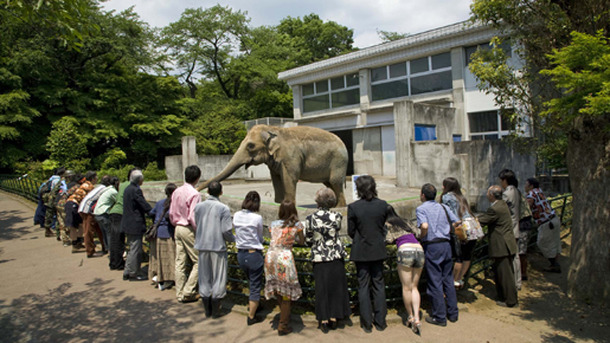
(234, 164)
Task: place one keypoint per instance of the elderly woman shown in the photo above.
(163, 248)
(327, 252)
(366, 219)
(249, 242)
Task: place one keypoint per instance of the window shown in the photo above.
(488, 125)
(425, 132)
(331, 93)
(457, 138)
(422, 75)
(469, 50)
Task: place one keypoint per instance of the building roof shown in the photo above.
(442, 33)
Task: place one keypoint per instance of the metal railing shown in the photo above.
(28, 188)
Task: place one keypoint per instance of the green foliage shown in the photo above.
(113, 158)
(582, 71)
(315, 39)
(389, 36)
(120, 172)
(65, 143)
(153, 173)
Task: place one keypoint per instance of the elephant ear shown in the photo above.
(271, 141)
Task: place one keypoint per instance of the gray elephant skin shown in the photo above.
(292, 154)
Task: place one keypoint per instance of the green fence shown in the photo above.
(237, 281)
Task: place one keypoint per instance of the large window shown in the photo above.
(331, 93)
(486, 46)
(422, 75)
(488, 125)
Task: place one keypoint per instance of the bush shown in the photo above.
(153, 173)
(121, 172)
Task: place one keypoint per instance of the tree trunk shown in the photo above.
(588, 159)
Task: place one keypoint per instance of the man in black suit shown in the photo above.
(502, 246)
(133, 224)
(366, 226)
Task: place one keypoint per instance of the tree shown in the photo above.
(570, 100)
(390, 36)
(317, 40)
(201, 43)
(66, 145)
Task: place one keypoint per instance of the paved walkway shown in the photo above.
(48, 294)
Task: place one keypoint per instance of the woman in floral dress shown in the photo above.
(281, 279)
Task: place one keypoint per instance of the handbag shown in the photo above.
(474, 230)
(151, 231)
(454, 241)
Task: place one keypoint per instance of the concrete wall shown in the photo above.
(367, 151)
(483, 161)
(212, 165)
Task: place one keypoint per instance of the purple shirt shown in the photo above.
(404, 239)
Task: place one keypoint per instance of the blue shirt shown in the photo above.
(164, 229)
(432, 213)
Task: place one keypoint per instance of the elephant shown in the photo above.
(292, 154)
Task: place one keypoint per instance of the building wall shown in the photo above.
(367, 151)
(212, 165)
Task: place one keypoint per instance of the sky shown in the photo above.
(365, 17)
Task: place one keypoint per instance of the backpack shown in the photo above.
(51, 197)
(45, 191)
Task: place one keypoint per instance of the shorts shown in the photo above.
(467, 249)
(523, 241)
(411, 256)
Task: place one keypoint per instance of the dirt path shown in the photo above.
(48, 294)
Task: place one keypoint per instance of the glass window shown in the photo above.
(307, 89)
(441, 61)
(316, 103)
(457, 138)
(390, 90)
(483, 121)
(493, 137)
(431, 83)
(398, 69)
(380, 73)
(352, 79)
(425, 132)
(322, 86)
(344, 98)
(419, 65)
(337, 83)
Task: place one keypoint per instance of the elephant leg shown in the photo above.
(278, 187)
(336, 184)
(290, 187)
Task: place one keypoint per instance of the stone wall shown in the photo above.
(212, 165)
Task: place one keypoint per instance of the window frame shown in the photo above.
(330, 91)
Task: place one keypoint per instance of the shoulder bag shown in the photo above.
(454, 241)
(151, 232)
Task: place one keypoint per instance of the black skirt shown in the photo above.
(332, 298)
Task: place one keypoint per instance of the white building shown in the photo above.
(353, 95)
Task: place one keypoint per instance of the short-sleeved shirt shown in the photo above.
(248, 230)
(432, 213)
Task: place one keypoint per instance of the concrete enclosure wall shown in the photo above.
(212, 165)
(475, 164)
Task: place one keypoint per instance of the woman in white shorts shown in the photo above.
(410, 260)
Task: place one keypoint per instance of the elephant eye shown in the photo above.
(250, 146)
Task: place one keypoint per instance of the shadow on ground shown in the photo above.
(99, 314)
(14, 226)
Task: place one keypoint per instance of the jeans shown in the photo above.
(103, 221)
(252, 263)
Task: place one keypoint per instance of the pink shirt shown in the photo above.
(184, 200)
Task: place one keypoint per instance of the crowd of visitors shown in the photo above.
(188, 243)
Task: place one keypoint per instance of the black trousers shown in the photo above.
(504, 277)
(371, 285)
(117, 242)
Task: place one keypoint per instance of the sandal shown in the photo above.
(416, 327)
(410, 321)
